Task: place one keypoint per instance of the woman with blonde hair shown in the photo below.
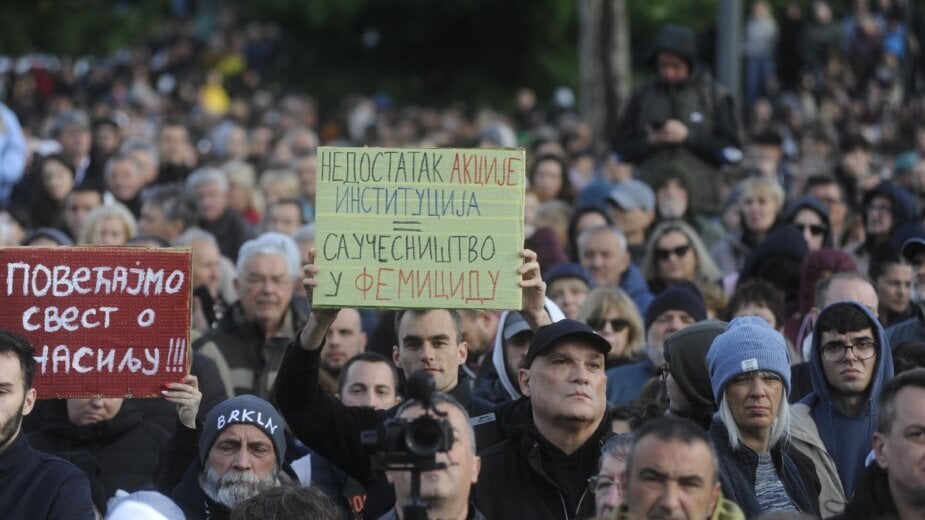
(108, 225)
(613, 315)
(759, 205)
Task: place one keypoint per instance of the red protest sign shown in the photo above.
(104, 321)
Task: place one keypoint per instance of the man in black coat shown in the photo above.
(33, 484)
(553, 435)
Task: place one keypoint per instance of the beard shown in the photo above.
(10, 428)
(234, 486)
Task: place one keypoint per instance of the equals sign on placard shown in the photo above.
(412, 226)
(176, 355)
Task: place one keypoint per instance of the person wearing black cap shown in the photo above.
(682, 114)
(552, 436)
(674, 309)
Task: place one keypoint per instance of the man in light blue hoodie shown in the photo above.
(850, 362)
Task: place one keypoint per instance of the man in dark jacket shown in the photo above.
(551, 437)
(681, 115)
(893, 486)
(240, 452)
(851, 361)
(248, 343)
(33, 484)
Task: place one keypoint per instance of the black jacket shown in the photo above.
(128, 447)
(333, 430)
(872, 499)
(36, 485)
(524, 476)
(738, 467)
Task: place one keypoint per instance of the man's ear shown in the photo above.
(523, 378)
(29, 401)
(879, 445)
(395, 357)
(476, 469)
(715, 495)
(463, 351)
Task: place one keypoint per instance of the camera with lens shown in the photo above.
(412, 444)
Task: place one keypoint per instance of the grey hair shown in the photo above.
(270, 243)
(110, 164)
(615, 231)
(195, 234)
(305, 234)
(144, 146)
(780, 427)
(207, 175)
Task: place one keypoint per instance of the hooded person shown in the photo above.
(687, 376)
(242, 449)
(499, 384)
(778, 261)
(680, 115)
(811, 217)
(845, 388)
(913, 249)
(887, 208)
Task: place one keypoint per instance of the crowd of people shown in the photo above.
(722, 305)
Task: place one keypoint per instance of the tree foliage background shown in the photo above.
(425, 50)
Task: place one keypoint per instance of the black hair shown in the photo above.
(288, 501)
(573, 225)
(369, 357)
(668, 429)
(22, 349)
(759, 292)
(454, 314)
(842, 318)
(886, 403)
(883, 257)
(175, 201)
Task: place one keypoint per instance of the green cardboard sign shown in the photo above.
(419, 228)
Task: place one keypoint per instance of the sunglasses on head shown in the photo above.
(616, 324)
(665, 254)
(814, 229)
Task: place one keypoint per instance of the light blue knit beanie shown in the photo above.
(747, 345)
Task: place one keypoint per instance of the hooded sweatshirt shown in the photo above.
(495, 385)
(847, 438)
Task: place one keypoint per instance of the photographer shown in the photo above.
(444, 492)
(428, 340)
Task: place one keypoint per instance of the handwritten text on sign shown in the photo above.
(406, 228)
(111, 321)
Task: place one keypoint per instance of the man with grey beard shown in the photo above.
(241, 450)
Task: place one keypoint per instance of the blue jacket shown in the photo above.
(636, 287)
(625, 381)
(847, 438)
(38, 486)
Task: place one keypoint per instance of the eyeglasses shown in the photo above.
(863, 349)
(600, 484)
(814, 229)
(663, 373)
(885, 208)
(665, 254)
(616, 324)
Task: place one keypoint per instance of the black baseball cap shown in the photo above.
(551, 335)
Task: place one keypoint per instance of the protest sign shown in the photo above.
(104, 321)
(419, 228)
